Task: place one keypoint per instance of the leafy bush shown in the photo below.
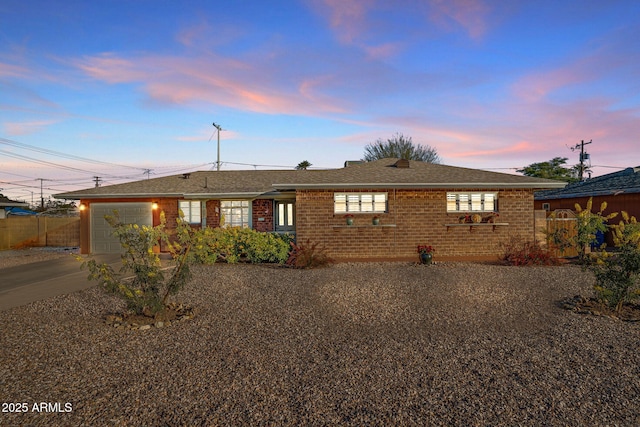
(308, 255)
(235, 243)
(519, 252)
(618, 275)
(147, 291)
(588, 225)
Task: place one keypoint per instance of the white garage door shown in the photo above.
(102, 239)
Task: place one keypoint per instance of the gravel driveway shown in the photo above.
(353, 344)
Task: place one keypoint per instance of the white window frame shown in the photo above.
(359, 203)
(192, 210)
(473, 201)
(236, 213)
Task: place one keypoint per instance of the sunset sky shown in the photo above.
(118, 88)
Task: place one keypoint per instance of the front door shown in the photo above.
(285, 216)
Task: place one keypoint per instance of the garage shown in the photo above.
(102, 239)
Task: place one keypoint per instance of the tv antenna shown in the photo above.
(219, 128)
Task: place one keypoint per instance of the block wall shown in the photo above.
(414, 217)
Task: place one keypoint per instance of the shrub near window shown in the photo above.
(232, 244)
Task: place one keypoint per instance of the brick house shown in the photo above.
(416, 203)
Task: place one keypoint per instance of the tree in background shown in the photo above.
(303, 165)
(400, 147)
(553, 169)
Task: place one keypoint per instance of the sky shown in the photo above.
(126, 90)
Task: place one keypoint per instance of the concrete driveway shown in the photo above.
(36, 281)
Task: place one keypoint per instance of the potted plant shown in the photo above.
(375, 220)
(349, 218)
(426, 253)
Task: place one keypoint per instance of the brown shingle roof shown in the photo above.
(252, 183)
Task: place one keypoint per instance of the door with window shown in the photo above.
(285, 216)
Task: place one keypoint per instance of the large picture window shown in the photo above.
(472, 202)
(359, 202)
(234, 213)
(191, 210)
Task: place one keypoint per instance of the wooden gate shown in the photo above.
(561, 226)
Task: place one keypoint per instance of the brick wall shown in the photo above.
(262, 215)
(414, 217)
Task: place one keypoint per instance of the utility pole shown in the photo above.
(583, 156)
(41, 195)
(219, 128)
(97, 181)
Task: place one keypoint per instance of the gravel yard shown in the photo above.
(12, 258)
(353, 344)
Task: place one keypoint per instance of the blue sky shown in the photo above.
(136, 85)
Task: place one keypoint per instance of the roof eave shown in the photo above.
(77, 196)
(500, 185)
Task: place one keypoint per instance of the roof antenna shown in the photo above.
(219, 128)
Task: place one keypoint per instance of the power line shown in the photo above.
(60, 154)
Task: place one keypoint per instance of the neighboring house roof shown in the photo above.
(623, 182)
(6, 202)
(385, 173)
(19, 211)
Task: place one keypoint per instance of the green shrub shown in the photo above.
(520, 252)
(233, 244)
(618, 275)
(308, 255)
(148, 290)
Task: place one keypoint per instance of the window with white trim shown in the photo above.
(359, 202)
(191, 210)
(234, 213)
(472, 202)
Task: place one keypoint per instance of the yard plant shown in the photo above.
(232, 244)
(618, 273)
(142, 281)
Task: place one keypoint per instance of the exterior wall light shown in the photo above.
(154, 206)
(83, 207)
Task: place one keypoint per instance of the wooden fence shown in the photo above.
(562, 222)
(25, 231)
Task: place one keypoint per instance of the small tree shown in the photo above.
(552, 169)
(148, 290)
(400, 147)
(303, 165)
(588, 224)
(618, 275)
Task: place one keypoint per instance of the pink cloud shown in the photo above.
(24, 128)
(348, 18)
(213, 79)
(109, 68)
(9, 70)
(471, 15)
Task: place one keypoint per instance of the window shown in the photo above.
(359, 202)
(472, 202)
(191, 210)
(234, 213)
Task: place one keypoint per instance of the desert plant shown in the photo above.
(517, 251)
(618, 274)
(308, 255)
(147, 291)
(588, 224)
